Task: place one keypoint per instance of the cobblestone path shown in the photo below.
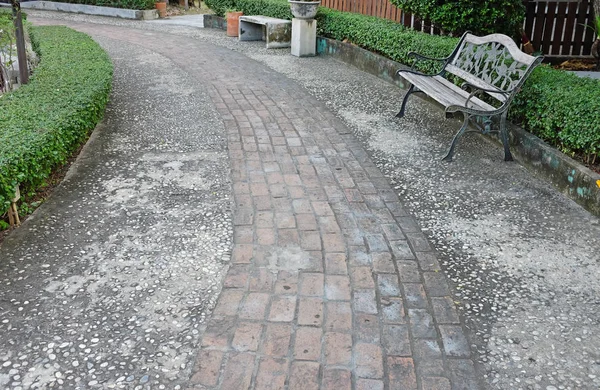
(331, 285)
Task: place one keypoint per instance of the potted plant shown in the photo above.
(304, 9)
(161, 6)
(233, 22)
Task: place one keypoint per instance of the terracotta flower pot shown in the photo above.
(162, 8)
(233, 23)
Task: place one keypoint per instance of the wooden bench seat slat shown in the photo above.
(475, 81)
(444, 92)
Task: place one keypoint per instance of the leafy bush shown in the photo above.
(563, 109)
(43, 122)
(273, 8)
(126, 4)
(220, 6)
(479, 17)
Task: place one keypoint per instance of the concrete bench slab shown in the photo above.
(276, 32)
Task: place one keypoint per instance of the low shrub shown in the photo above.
(479, 17)
(560, 108)
(43, 122)
(126, 4)
(273, 8)
(219, 7)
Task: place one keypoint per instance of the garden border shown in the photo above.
(122, 13)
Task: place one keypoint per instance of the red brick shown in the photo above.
(306, 222)
(254, 306)
(238, 371)
(337, 287)
(401, 373)
(336, 264)
(247, 336)
(243, 235)
(311, 284)
(287, 283)
(310, 240)
(369, 361)
(237, 276)
(228, 303)
(265, 236)
(337, 379)
(322, 209)
(277, 339)
(362, 277)
(338, 349)
(242, 253)
(264, 219)
(369, 384)
(285, 221)
(303, 376)
(288, 237)
(334, 242)
(259, 189)
(261, 279)
(339, 316)
(307, 345)
(271, 374)
(310, 311)
(367, 328)
(292, 180)
(435, 383)
(207, 369)
(283, 308)
(382, 262)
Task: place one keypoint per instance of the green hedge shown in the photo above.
(219, 7)
(563, 109)
(479, 17)
(126, 4)
(43, 122)
(559, 107)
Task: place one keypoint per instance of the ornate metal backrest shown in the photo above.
(492, 62)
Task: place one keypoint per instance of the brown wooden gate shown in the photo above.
(558, 28)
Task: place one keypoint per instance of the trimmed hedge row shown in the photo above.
(126, 4)
(43, 122)
(559, 107)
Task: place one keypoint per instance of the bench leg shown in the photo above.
(410, 91)
(504, 136)
(462, 130)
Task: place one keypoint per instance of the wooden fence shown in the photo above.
(556, 28)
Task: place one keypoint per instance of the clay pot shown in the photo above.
(162, 8)
(233, 23)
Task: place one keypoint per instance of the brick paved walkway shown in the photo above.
(332, 285)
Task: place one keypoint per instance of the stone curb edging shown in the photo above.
(573, 179)
(90, 10)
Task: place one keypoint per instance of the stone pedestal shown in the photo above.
(304, 37)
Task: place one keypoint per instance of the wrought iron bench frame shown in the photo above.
(492, 65)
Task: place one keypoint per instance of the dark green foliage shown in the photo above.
(562, 109)
(43, 122)
(219, 7)
(126, 4)
(273, 8)
(382, 36)
(479, 17)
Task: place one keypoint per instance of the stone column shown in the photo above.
(304, 37)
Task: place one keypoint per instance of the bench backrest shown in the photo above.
(492, 62)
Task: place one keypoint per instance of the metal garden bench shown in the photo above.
(491, 67)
